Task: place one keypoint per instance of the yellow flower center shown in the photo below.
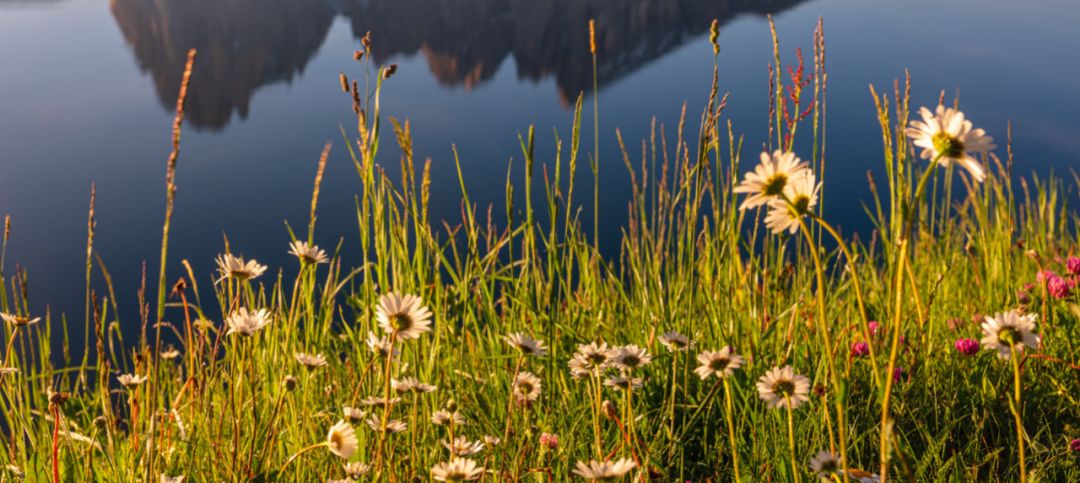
(774, 186)
(1009, 335)
(718, 364)
(401, 322)
(784, 388)
(948, 146)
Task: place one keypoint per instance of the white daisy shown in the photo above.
(769, 178)
(779, 382)
(457, 469)
(526, 344)
(408, 384)
(1009, 331)
(247, 323)
(356, 470)
(353, 415)
(18, 321)
(604, 470)
(170, 479)
(236, 267)
(721, 363)
(307, 253)
(676, 342)
(623, 383)
(170, 353)
(526, 388)
(461, 446)
(380, 401)
(824, 465)
(310, 361)
(341, 440)
(629, 357)
(392, 425)
(380, 346)
(444, 417)
(403, 316)
(801, 198)
(946, 132)
(130, 380)
(492, 440)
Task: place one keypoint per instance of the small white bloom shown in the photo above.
(525, 344)
(247, 323)
(461, 446)
(18, 321)
(824, 465)
(629, 357)
(356, 470)
(341, 440)
(403, 316)
(408, 384)
(604, 470)
(945, 132)
(353, 415)
(781, 387)
(769, 178)
(457, 469)
(721, 363)
(307, 253)
(235, 267)
(444, 417)
(676, 342)
(130, 380)
(623, 382)
(1009, 331)
(310, 361)
(526, 388)
(801, 198)
(392, 425)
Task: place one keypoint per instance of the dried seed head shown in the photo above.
(389, 71)
(344, 82)
(592, 36)
(714, 36)
(366, 40)
(358, 55)
(609, 410)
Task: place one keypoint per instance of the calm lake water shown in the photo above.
(87, 87)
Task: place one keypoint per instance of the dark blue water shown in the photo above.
(87, 86)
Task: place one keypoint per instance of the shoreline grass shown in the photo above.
(724, 342)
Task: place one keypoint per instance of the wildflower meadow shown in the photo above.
(736, 334)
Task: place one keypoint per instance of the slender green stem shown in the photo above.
(791, 439)
(1014, 356)
(734, 448)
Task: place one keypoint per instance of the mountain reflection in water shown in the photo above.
(246, 44)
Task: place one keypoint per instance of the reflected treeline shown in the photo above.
(244, 44)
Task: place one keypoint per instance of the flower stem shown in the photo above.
(1017, 411)
(791, 439)
(731, 429)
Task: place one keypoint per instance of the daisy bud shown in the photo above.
(290, 383)
(100, 422)
(451, 405)
(609, 410)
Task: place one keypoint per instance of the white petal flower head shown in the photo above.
(781, 387)
(247, 323)
(824, 465)
(403, 316)
(375, 422)
(1009, 331)
(130, 380)
(526, 388)
(445, 417)
(629, 357)
(356, 470)
(721, 363)
(801, 198)
(945, 132)
(310, 361)
(171, 479)
(676, 342)
(769, 178)
(525, 344)
(604, 470)
(457, 469)
(353, 415)
(235, 267)
(380, 402)
(380, 346)
(461, 446)
(594, 355)
(623, 382)
(18, 321)
(341, 440)
(307, 253)
(408, 385)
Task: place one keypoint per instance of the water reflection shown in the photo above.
(245, 44)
